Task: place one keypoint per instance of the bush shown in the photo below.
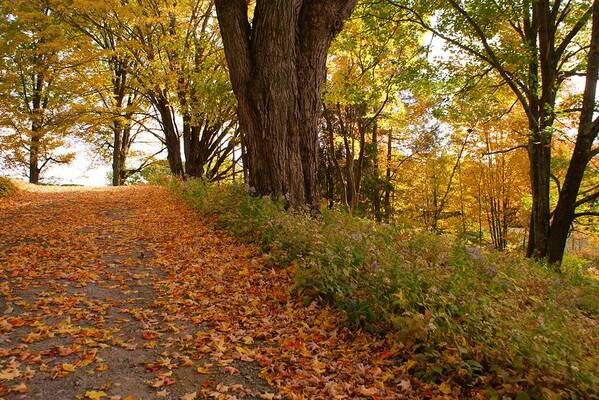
(7, 187)
(498, 322)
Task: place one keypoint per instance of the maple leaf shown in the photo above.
(367, 391)
(68, 367)
(102, 367)
(9, 374)
(94, 395)
(203, 370)
(232, 370)
(20, 388)
(149, 335)
(162, 380)
(189, 396)
(17, 322)
(5, 326)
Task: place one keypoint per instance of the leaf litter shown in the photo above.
(127, 294)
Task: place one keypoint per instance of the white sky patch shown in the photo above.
(88, 168)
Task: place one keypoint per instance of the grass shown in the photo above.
(498, 323)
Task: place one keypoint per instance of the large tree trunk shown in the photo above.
(540, 161)
(171, 138)
(36, 126)
(34, 148)
(277, 67)
(541, 118)
(587, 132)
(121, 146)
(118, 163)
(191, 143)
(119, 87)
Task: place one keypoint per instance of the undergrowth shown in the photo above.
(7, 187)
(500, 322)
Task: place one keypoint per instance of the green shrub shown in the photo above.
(498, 322)
(7, 187)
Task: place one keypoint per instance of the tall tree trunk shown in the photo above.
(541, 117)
(172, 140)
(36, 126)
(333, 158)
(34, 148)
(117, 161)
(388, 178)
(587, 132)
(376, 201)
(191, 143)
(119, 88)
(277, 67)
(539, 151)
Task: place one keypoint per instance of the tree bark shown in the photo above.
(388, 186)
(277, 67)
(34, 148)
(376, 201)
(37, 116)
(119, 87)
(587, 132)
(171, 138)
(117, 162)
(34, 171)
(541, 116)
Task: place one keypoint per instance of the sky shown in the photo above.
(88, 168)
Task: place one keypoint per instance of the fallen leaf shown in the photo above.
(203, 370)
(20, 388)
(94, 395)
(445, 388)
(68, 367)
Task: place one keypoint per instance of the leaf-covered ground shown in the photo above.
(128, 294)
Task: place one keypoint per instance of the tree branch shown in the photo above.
(520, 146)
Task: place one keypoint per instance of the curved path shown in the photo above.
(127, 294)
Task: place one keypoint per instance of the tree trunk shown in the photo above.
(587, 132)
(190, 147)
(34, 172)
(171, 138)
(34, 149)
(36, 126)
(376, 201)
(388, 178)
(277, 67)
(117, 161)
(540, 161)
(119, 88)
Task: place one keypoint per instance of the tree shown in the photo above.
(588, 128)
(39, 89)
(362, 82)
(532, 47)
(179, 69)
(277, 67)
(116, 103)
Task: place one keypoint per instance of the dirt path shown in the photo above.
(127, 294)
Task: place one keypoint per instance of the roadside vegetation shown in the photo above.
(494, 319)
(7, 187)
